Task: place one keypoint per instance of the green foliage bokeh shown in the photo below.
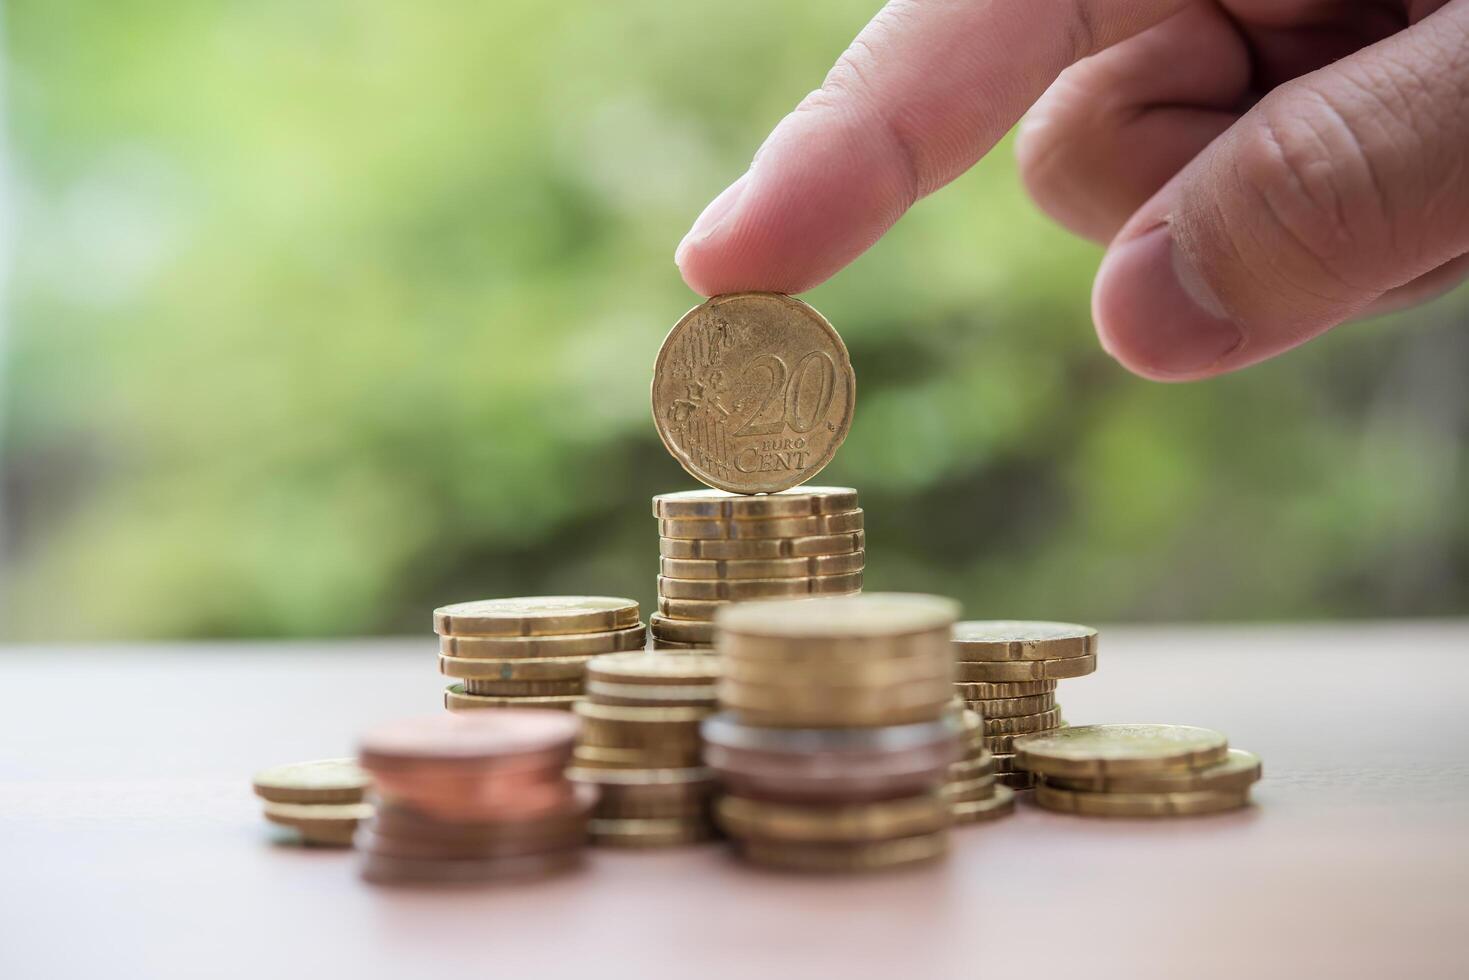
(327, 312)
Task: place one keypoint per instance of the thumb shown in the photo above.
(1336, 188)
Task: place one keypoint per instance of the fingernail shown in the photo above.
(1155, 314)
(712, 217)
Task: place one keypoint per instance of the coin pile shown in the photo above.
(716, 548)
(323, 801)
(1138, 770)
(837, 732)
(467, 797)
(1007, 672)
(529, 652)
(640, 747)
(973, 790)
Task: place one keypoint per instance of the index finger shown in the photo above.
(924, 91)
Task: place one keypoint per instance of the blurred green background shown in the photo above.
(325, 313)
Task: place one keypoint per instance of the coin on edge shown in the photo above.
(753, 392)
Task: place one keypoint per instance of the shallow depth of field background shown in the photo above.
(322, 313)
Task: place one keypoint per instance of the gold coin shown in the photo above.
(515, 689)
(757, 588)
(1000, 804)
(753, 392)
(653, 668)
(651, 696)
(840, 823)
(538, 647)
(741, 549)
(1012, 707)
(667, 630)
(976, 767)
(1004, 761)
(981, 691)
(649, 832)
(320, 823)
(1002, 640)
(547, 615)
(762, 568)
(1024, 670)
(834, 655)
(873, 856)
(321, 781)
(525, 669)
(795, 502)
(605, 757)
(833, 715)
(1140, 804)
(775, 527)
(456, 698)
(876, 614)
(1016, 780)
(978, 788)
(1238, 771)
(800, 695)
(839, 674)
(672, 646)
(1021, 724)
(1103, 751)
(1000, 744)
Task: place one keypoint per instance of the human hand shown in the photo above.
(1263, 169)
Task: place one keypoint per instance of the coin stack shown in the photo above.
(1138, 770)
(640, 747)
(474, 797)
(717, 548)
(529, 652)
(973, 790)
(838, 730)
(1007, 672)
(323, 801)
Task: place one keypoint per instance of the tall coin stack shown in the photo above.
(1138, 770)
(973, 789)
(640, 747)
(473, 797)
(529, 652)
(1006, 671)
(716, 548)
(838, 730)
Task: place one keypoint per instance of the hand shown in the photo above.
(1263, 169)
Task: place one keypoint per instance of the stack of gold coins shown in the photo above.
(474, 797)
(973, 790)
(1007, 671)
(323, 801)
(838, 732)
(1138, 770)
(529, 652)
(717, 548)
(640, 747)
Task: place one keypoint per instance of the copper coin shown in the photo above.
(397, 820)
(506, 795)
(522, 739)
(384, 870)
(753, 392)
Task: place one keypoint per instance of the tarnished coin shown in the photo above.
(757, 588)
(329, 824)
(1140, 804)
(753, 392)
(545, 615)
(874, 614)
(540, 647)
(983, 691)
(523, 669)
(1024, 670)
(873, 856)
(1020, 724)
(1103, 751)
(662, 670)
(833, 823)
(762, 568)
(1011, 707)
(666, 630)
(741, 549)
(384, 870)
(456, 698)
(795, 502)
(522, 689)
(775, 527)
(650, 832)
(1238, 771)
(321, 781)
(992, 640)
(1000, 803)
